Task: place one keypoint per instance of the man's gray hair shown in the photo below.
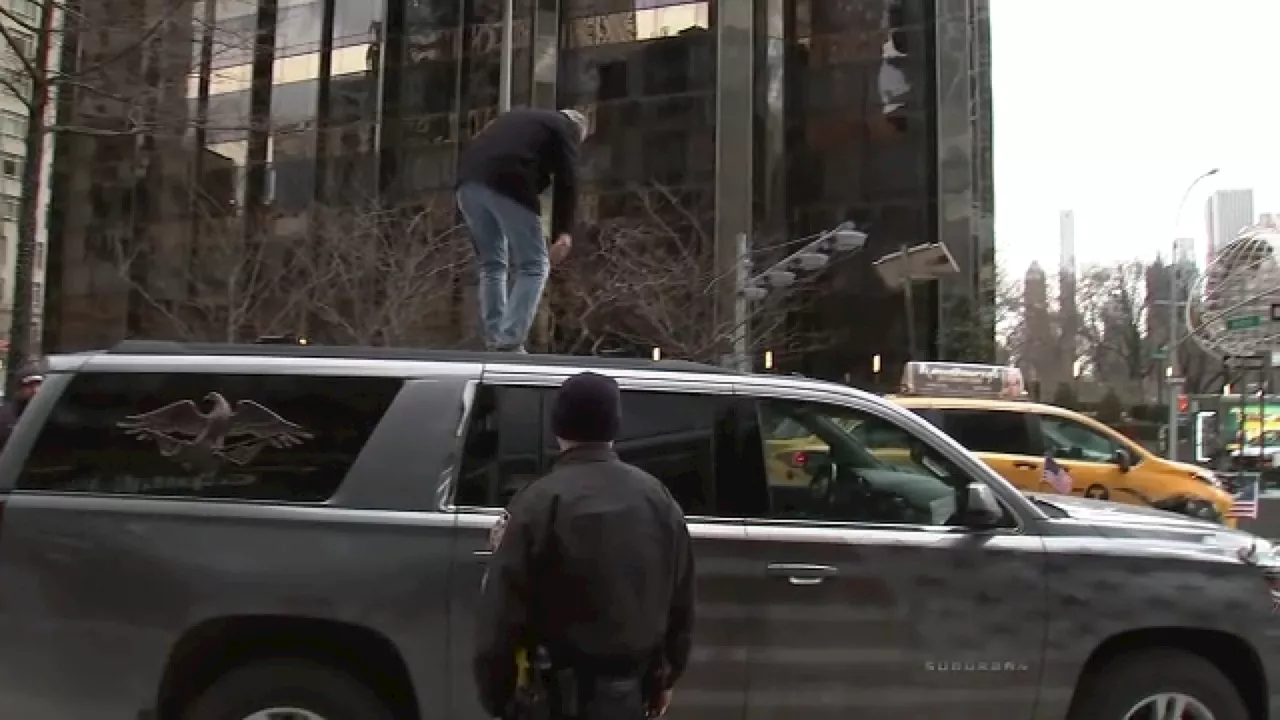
(578, 119)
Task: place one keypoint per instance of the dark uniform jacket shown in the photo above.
(517, 154)
(595, 564)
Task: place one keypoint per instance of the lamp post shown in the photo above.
(504, 74)
(812, 257)
(1171, 371)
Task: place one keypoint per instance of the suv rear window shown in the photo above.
(243, 437)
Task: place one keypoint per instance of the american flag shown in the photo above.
(1057, 476)
(1244, 504)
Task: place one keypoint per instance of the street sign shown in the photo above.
(1244, 322)
(1245, 362)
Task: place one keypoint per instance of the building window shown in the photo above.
(20, 42)
(39, 259)
(8, 209)
(37, 296)
(116, 434)
(13, 125)
(11, 165)
(22, 7)
(4, 248)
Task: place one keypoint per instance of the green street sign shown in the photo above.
(1160, 353)
(1244, 322)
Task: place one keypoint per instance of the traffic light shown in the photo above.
(1184, 404)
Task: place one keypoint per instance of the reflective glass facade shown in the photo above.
(770, 118)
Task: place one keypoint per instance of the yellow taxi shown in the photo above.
(1015, 436)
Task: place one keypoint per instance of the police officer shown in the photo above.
(593, 572)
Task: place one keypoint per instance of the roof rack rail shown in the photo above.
(352, 352)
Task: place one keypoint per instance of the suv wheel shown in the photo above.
(287, 690)
(1158, 684)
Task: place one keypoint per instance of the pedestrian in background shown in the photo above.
(29, 381)
(500, 178)
(592, 575)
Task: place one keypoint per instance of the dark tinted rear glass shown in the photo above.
(993, 431)
(245, 437)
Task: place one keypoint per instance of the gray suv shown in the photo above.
(262, 532)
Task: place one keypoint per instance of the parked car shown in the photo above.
(201, 532)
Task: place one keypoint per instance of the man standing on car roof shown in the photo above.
(500, 176)
(28, 383)
(592, 574)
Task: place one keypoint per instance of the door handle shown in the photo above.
(1022, 465)
(801, 573)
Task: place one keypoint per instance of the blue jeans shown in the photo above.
(499, 224)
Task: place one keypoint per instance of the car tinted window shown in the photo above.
(1075, 441)
(669, 435)
(993, 431)
(503, 452)
(854, 466)
(244, 437)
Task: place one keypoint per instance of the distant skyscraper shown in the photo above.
(1228, 212)
(1067, 240)
(1186, 251)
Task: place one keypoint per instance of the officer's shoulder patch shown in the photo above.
(498, 529)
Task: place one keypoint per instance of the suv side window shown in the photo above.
(503, 450)
(1071, 440)
(992, 431)
(509, 444)
(237, 437)
(854, 467)
(671, 436)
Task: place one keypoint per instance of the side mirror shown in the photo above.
(1122, 460)
(982, 509)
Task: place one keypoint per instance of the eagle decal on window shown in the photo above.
(204, 440)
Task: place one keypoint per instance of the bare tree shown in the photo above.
(225, 286)
(652, 280)
(130, 76)
(383, 277)
(1113, 322)
(351, 274)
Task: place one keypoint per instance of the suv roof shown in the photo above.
(153, 347)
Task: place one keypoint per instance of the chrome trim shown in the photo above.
(468, 402)
(217, 507)
(484, 518)
(276, 365)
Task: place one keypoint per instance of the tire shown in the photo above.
(1121, 686)
(297, 684)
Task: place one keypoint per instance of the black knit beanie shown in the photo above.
(587, 409)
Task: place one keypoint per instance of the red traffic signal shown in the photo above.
(1184, 404)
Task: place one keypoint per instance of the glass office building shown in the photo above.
(771, 118)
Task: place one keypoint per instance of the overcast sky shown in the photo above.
(1111, 108)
